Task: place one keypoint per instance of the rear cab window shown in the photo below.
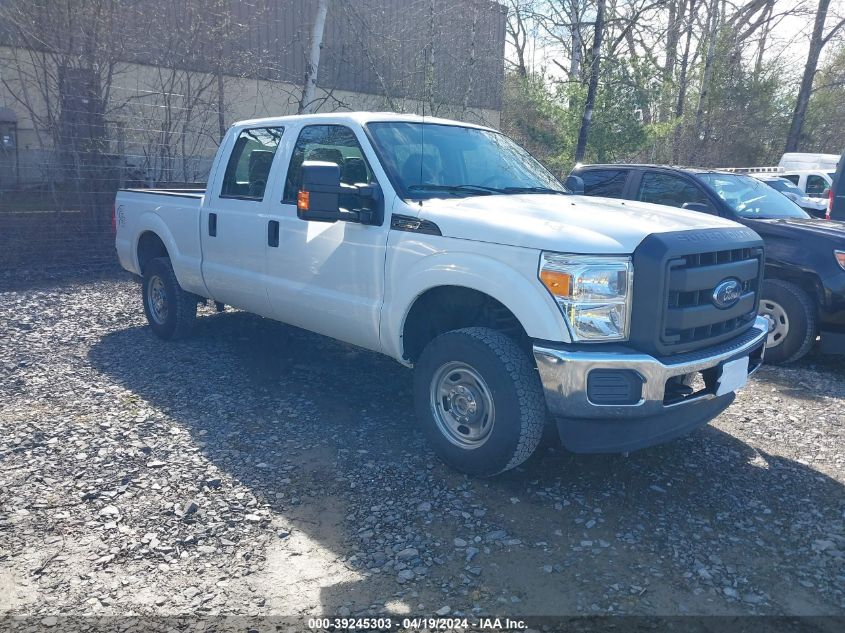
(249, 163)
(607, 183)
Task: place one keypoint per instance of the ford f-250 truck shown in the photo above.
(449, 248)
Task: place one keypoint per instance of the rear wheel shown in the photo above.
(792, 321)
(479, 400)
(170, 311)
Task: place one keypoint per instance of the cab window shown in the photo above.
(816, 185)
(670, 190)
(329, 143)
(249, 163)
(608, 183)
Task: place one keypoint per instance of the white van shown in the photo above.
(797, 161)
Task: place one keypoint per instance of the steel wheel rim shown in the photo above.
(462, 405)
(778, 322)
(157, 300)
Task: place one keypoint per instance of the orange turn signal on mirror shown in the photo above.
(559, 284)
(840, 257)
(302, 200)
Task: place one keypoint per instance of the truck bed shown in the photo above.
(171, 214)
(179, 193)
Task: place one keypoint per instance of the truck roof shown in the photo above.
(361, 118)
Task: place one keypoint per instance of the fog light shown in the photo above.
(614, 386)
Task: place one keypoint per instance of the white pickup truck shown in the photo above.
(450, 249)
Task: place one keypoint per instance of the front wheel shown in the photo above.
(479, 400)
(170, 310)
(792, 321)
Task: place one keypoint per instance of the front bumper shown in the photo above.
(585, 426)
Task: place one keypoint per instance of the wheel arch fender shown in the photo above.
(527, 300)
(806, 279)
(186, 266)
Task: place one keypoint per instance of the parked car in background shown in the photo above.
(812, 173)
(817, 207)
(804, 286)
(814, 183)
(836, 199)
(447, 247)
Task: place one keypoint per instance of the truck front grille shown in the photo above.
(691, 315)
(676, 277)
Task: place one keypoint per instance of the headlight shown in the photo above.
(840, 257)
(594, 293)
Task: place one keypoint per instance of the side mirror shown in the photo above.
(323, 198)
(575, 184)
(696, 206)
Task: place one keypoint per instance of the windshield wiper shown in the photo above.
(466, 189)
(535, 190)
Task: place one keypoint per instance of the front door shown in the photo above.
(233, 222)
(327, 278)
(671, 190)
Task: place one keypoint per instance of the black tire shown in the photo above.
(511, 383)
(795, 322)
(177, 318)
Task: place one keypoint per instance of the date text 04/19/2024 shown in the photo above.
(412, 624)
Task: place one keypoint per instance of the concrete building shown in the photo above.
(142, 95)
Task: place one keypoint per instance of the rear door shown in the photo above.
(234, 219)
(670, 189)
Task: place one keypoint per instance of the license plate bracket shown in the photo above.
(733, 375)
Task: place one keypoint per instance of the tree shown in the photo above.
(818, 40)
(824, 125)
(518, 33)
(595, 67)
(312, 68)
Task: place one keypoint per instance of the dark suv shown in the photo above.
(804, 286)
(836, 210)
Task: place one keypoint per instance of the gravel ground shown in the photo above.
(259, 469)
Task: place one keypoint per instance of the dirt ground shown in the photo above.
(257, 469)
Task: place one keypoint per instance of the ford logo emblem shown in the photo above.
(727, 294)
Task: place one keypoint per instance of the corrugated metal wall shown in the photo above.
(381, 47)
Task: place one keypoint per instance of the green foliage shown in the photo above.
(744, 117)
(532, 116)
(824, 127)
(544, 117)
(622, 107)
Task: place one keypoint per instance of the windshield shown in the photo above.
(784, 185)
(430, 160)
(752, 198)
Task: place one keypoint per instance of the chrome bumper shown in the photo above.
(564, 375)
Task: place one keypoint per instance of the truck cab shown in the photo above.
(447, 247)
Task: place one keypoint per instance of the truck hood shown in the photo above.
(568, 223)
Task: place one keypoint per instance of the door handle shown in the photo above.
(273, 233)
(212, 224)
